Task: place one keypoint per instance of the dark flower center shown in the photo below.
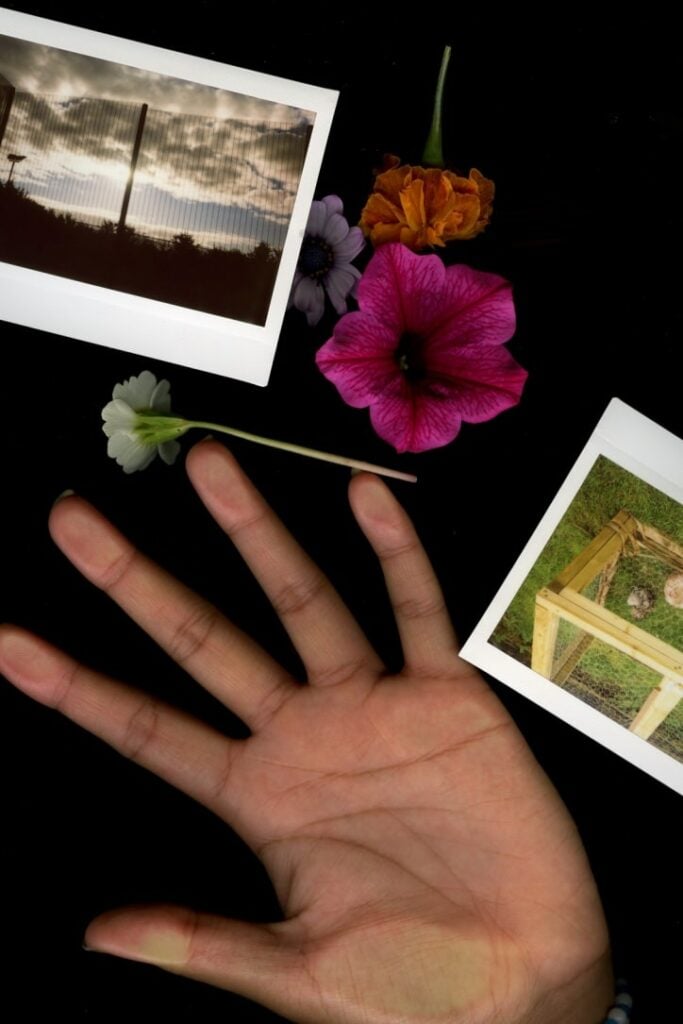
(317, 257)
(409, 355)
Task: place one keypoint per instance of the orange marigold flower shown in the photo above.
(423, 207)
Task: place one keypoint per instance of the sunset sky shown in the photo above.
(223, 166)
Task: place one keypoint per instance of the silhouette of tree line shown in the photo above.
(225, 282)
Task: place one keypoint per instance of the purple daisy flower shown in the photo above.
(324, 264)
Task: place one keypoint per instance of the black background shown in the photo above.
(587, 226)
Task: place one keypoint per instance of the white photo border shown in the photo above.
(132, 323)
(653, 454)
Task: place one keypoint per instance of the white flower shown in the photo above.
(139, 424)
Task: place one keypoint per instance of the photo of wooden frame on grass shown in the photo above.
(151, 201)
(589, 623)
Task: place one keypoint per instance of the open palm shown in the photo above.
(426, 868)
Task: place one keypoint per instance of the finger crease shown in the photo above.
(192, 634)
(110, 577)
(337, 674)
(295, 597)
(142, 726)
(271, 703)
(419, 608)
(66, 687)
(233, 530)
(398, 550)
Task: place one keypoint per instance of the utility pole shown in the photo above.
(133, 165)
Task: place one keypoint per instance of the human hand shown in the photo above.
(426, 868)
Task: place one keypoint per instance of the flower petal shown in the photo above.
(317, 219)
(310, 299)
(137, 391)
(414, 422)
(336, 229)
(403, 290)
(339, 283)
(349, 247)
(129, 452)
(160, 400)
(483, 380)
(359, 359)
(413, 204)
(169, 450)
(476, 308)
(117, 415)
(380, 290)
(333, 204)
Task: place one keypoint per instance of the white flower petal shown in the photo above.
(168, 450)
(160, 399)
(141, 460)
(129, 452)
(117, 415)
(137, 391)
(121, 443)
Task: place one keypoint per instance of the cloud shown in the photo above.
(238, 178)
(202, 148)
(32, 67)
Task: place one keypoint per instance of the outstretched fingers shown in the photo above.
(326, 635)
(196, 635)
(172, 744)
(427, 635)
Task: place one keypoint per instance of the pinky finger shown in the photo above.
(427, 635)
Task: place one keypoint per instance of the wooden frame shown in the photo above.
(562, 599)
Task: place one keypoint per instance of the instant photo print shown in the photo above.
(589, 622)
(151, 201)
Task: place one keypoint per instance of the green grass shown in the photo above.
(604, 677)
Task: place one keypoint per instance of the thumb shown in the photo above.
(252, 960)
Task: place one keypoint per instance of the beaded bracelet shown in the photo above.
(621, 1011)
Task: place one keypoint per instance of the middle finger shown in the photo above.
(330, 642)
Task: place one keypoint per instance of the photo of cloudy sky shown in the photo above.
(216, 172)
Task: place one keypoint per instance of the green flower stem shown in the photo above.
(312, 453)
(433, 151)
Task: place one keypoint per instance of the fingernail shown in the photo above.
(65, 494)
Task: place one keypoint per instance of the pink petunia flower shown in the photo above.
(425, 351)
(324, 264)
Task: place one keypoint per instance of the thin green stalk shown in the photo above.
(433, 151)
(297, 449)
